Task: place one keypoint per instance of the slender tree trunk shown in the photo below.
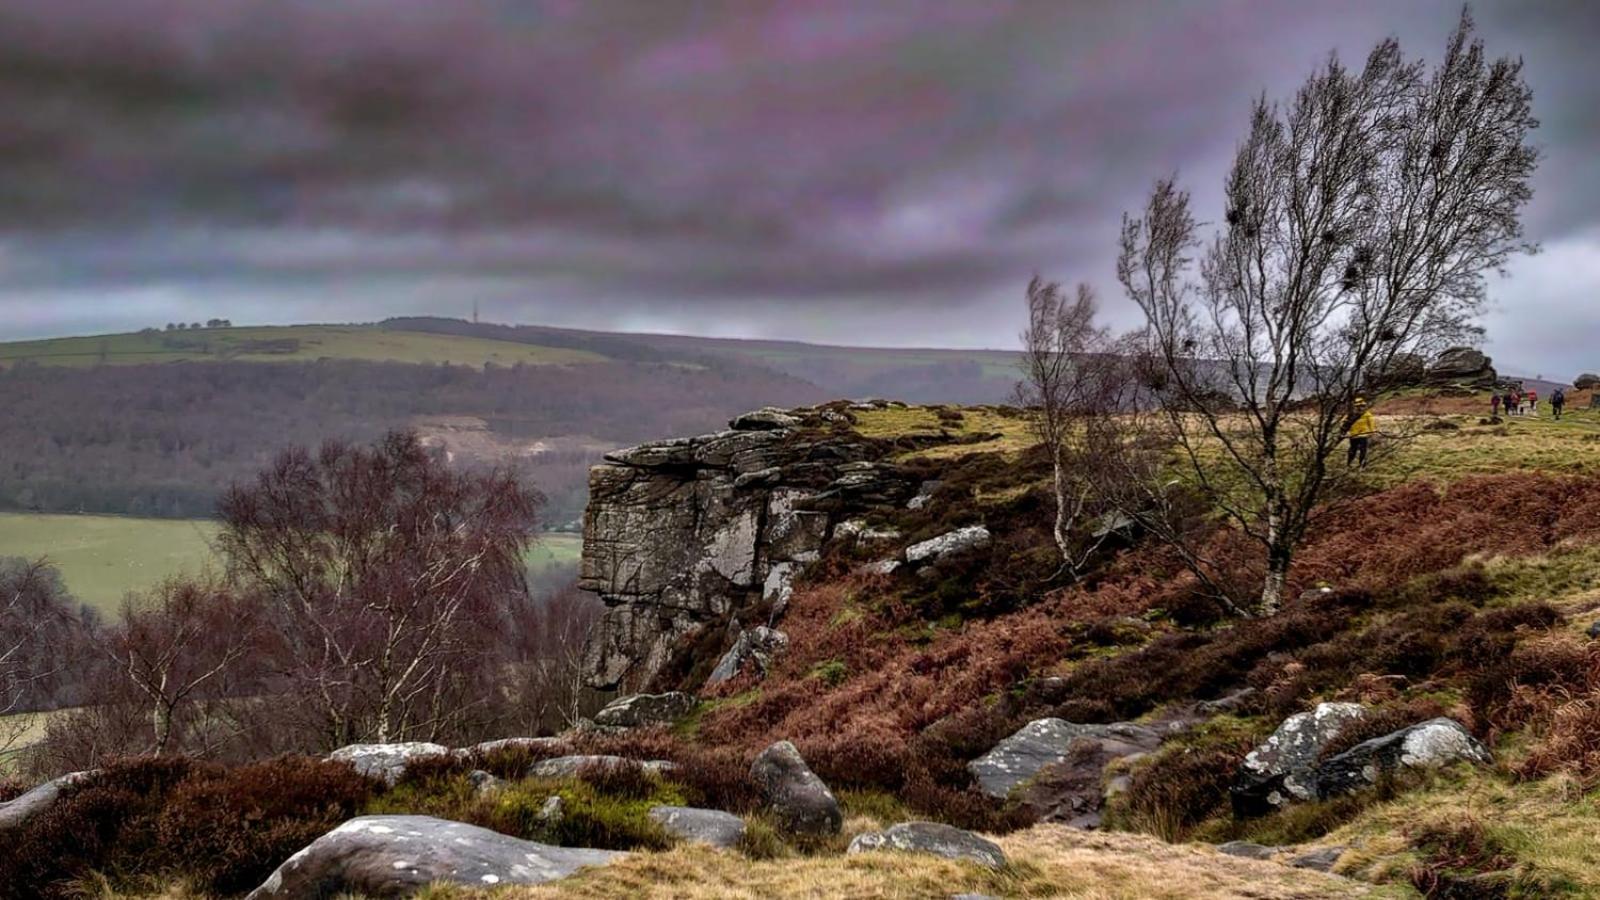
(1062, 536)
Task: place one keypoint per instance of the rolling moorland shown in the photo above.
(156, 424)
(1459, 581)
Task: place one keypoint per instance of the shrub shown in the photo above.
(11, 789)
(761, 839)
(1464, 860)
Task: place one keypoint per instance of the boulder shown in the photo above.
(386, 762)
(934, 839)
(1045, 742)
(1322, 859)
(1247, 850)
(924, 494)
(1463, 365)
(529, 744)
(397, 856)
(16, 812)
(798, 799)
(1283, 769)
(757, 647)
(485, 782)
(767, 418)
(639, 710)
(700, 826)
(881, 567)
(575, 766)
(962, 540)
(1074, 790)
(1427, 745)
(1588, 381)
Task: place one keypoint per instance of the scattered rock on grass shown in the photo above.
(1427, 745)
(935, 839)
(397, 856)
(962, 540)
(640, 710)
(1045, 742)
(1247, 850)
(799, 800)
(702, 826)
(386, 761)
(1283, 769)
(574, 766)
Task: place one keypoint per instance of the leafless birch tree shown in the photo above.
(1359, 221)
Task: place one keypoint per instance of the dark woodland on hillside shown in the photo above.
(165, 440)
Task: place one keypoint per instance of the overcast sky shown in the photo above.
(876, 173)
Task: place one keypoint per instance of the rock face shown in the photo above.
(386, 761)
(799, 800)
(640, 710)
(1428, 745)
(701, 826)
(1047, 742)
(16, 812)
(685, 534)
(1283, 769)
(1463, 366)
(935, 839)
(397, 856)
(757, 648)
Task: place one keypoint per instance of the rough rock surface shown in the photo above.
(1283, 769)
(684, 535)
(1587, 381)
(799, 800)
(757, 648)
(701, 826)
(1247, 850)
(1464, 366)
(533, 744)
(396, 856)
(1046, 742)
(16, 812)
(935, 839)
(573, 766)
(1427, 745)
(962, 540)
(386, 761)
(1074, 790)
(639, 710)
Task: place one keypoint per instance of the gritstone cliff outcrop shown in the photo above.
(696, 533)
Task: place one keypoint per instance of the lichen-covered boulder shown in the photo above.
(799, 800)
(756, 648)
(575, 766)
(1046, 742)
(528, 744)
(700, 826)
(16, 812)
(1283, 769)
(640, 710)
(765, 419)
(962, 540)
(934, 839)
(1427, 745)
(386, 762)
(397, 856)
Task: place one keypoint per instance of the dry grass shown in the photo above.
(923, 421)
(1047, 861)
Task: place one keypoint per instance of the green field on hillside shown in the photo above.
(103, 557)
(292, 343)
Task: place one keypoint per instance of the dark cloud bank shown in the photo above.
(885, 173)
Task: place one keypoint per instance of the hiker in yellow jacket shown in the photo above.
(1362, 427)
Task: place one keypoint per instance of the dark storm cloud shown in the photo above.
(882, 172)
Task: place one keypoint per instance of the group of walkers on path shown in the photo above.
(1517, 402)
(1360, 426)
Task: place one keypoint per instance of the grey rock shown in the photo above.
(934, 839)
(1045, 742)
(757, 648)
(1465, 366)
(485, 782)
(925, 494)
(1283, 769)
(551, 812)
(700, 826)
(575, 766)
(397, 856)
(962, 540)
(798, 799)
(1074, 790)
(881, 567)
(1230, 703)
(1322, 859)
(17, 812)
(640, 710)
(764, 419)
(530, 744)
(1427, 745)
(386, 761)
(1586, 382)
(1247, 850)
(1593, 630)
